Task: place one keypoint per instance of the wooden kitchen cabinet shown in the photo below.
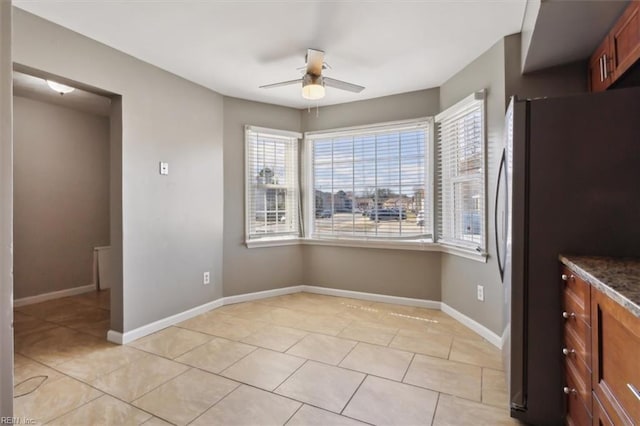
(625, 40)
(600, 75)
(576, 348)
(616, 359)
(600, 417)
(618, 52)
(601, 353)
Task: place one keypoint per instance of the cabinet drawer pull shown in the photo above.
(634, 390)
(567, 390)
(567, 352)
(567, 315)
(566, 277)
(604, 66)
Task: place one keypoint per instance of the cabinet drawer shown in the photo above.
(573, 323)
(577, 412)
(571, 304)
(616, 335)
(575, 348)
(579, 291)
(581, 371)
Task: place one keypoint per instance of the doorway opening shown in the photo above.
(67, 217)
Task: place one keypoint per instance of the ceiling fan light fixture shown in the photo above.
(60, 88)
(313, 87)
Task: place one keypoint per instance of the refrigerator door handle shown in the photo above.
(500, 253)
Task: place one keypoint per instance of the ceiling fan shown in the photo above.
(313, 82)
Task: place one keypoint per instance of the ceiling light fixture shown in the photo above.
(312, 87)
(60, 88)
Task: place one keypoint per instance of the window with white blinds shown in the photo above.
(371, 182)
(461, 173)
(271, 185)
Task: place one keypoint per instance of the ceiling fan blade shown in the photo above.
(282, 83)
(315, 58)
(343, 85)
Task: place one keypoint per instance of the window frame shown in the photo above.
(478, 98)
(266, 240)
(410, 243)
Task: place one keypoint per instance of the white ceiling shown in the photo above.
(233, 47)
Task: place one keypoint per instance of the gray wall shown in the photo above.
(497, 70)
(171, 225)
(421, 103)
(6, 211)
(392, 272)
(249, 270)
(557, 81)
(61, 195)
(459, 275)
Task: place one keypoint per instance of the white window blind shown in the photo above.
(461, 173)
(371, 182)
(271, 185)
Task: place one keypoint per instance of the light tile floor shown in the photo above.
(300, 359)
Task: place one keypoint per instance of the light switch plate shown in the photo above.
(164, 168)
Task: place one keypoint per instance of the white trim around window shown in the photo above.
(371, 184)
(338, 159)
(271, 186)
(461, 171)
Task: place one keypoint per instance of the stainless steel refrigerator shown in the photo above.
(569, 182)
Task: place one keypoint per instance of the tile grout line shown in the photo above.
(255, 348)
(238, 384)
(353, 394)
(74, 409)
(408, 366)
(289, 376)
(435, 409)
(217, 402)
(348, 353)
(293, 415)
(189, 367)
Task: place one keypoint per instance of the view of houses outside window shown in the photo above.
(272, 189)
(371, 184)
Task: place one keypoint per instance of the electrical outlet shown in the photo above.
(481, 293)
(206, 279)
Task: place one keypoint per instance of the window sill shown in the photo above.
(273, 242)
(371, 244)
(399, 245)
(467, 253)
(375, 244)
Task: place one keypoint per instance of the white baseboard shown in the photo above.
(53, 295)
(129, 336)
(145, 330)
(483, 331)
(505, 336)
(247, 297)
(372, 297)
(115, 337)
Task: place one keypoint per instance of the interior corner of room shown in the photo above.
(131, 188)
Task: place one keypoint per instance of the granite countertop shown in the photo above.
(618, 278)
